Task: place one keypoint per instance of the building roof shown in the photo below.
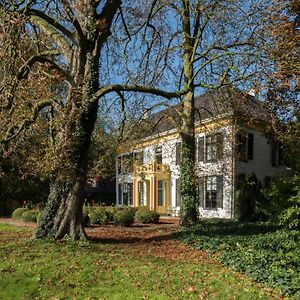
(215, 104)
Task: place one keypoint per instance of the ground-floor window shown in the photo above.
(160, 193)
(210, 192)
(141, 193)
(119, 194)
(128, 193)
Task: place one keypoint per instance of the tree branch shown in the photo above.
(135, 88)
(42, 58)
(14, 131)
(52, 22)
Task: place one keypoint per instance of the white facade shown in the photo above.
(225, 152)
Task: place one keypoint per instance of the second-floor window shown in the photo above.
(210, 147)
(244, 146)
(139, 157)
(125, 163)
(277, 154)
(158, 155)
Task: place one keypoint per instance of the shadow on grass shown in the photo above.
(209, 228)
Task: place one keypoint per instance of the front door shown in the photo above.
(161, 199)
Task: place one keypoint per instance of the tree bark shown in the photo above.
(189, 205)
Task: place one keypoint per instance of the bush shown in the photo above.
(250, 202)
(17, 213)
(30, 216)
(99, 216)
(39, 216)
(111, 211)
(284, 199)
(124, 217)
(290, 216)
(146, 216)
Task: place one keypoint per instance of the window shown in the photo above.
(210, 192)
(210, 148)
(127, 163)
(276, 154)
(158, 155)
(119, 165)
(178, 153)
(178, 193)
(139, 157)
(120, 194)
(128, 193)
(160, 193)
(141, 193)
(244, 146)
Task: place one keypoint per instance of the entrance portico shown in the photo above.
(151, 185)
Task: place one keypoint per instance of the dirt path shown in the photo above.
(155, 239)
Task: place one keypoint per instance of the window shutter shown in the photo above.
(200, 191)
(178, 193)
(250, 146)
(241, 141)
(201, 148)
(220, 141)
(220, 191)
(178, 153)
(273, 154)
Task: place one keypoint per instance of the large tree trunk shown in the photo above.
(189, 203)
(63, 213)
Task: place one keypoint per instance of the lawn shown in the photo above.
(111, 270)
(268, 254)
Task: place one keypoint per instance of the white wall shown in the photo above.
(261, 164)
(223, 167)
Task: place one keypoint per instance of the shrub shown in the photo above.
(146, 216)
(39, 216)
(99, 216)
(250, 201)
(111, 211)
(17, 213)
(284, 199)
(30, 216)
(290, 216)
(124, 217)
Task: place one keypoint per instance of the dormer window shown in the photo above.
(158, 155)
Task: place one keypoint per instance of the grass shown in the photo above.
(266, 253)
(68, 270)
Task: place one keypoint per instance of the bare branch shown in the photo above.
(52, 22)
(135, 88)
